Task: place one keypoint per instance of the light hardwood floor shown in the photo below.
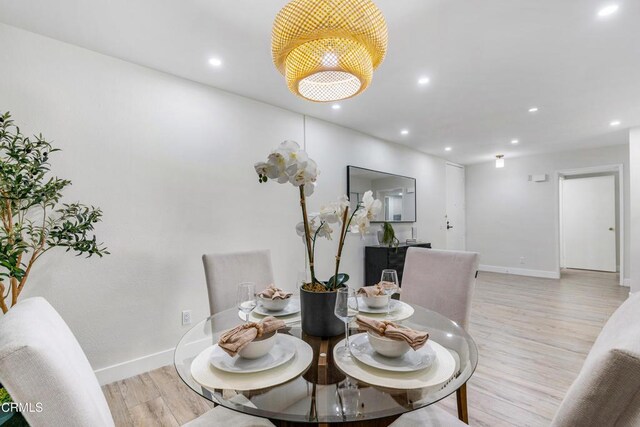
(532, 334)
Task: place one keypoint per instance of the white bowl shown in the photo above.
(388, 347)
(274, 304)
(258, 347)
(378, 301)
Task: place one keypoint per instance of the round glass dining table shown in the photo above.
(323, 393)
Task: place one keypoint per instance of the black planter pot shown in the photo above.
(317, 314)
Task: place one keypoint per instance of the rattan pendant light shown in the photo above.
(327, 49)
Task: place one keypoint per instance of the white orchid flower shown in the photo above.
(300, 229)
(309, 188)
(303, 173)
(330, 213)
(360, 223)
(267, 169)
(367, 211)
(370, 205)
(288, 163)
(333, 212)
(325, 231)
(289, 146)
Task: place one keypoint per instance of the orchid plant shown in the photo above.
(289, 164)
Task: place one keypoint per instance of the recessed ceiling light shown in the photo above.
(423, 80)
(615, 123)
(215, 62)
(608, 10)
(533, 109)
(515, 141)
(404, 132)
(447, 149)
(336, 106)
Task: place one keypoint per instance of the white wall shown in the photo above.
(170, 162)
(509, 217)
(634, 159)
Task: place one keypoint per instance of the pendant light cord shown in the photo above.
(304, 131)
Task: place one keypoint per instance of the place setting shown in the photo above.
(387, 354)
(272, 301)
(376, 302)
(254, 354)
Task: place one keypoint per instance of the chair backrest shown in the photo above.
(225, 271)
(607, 390)
(442, 281)
(42, 362)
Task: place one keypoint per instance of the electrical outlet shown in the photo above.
(186, 317)
(522, 260)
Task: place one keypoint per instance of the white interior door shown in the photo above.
(588, 223)
(455, 217)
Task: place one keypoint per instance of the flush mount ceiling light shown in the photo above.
(500, 161)
(404, 132)
(515, 141)
(608, 10)
(327, 49)
(215, 62)
(533, 109)
(615, 123)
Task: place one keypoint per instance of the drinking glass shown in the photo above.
(346, 310)
(348, 396)
(246, 298)
(390, 284)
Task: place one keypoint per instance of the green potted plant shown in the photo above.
(289, 164)
(387, 236)
(32, 219)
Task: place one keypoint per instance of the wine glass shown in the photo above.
(390, 284)
(246, 298)
(346, 310)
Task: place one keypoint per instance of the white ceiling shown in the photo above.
(489, 61)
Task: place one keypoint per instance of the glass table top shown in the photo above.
(324, 394)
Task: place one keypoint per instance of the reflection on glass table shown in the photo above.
(322, 392)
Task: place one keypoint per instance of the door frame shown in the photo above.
(616, 169)
(464, 210)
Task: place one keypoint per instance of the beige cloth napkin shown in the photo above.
(237, 338)
(415, 339)
(371, 291)
(274, 293)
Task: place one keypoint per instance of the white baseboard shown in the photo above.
(134, 367)
(520, 271)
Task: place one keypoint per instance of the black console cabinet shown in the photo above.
(378, 258)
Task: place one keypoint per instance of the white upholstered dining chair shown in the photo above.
(442, 281)
(41, 361)
(606, 391)
(224, 272)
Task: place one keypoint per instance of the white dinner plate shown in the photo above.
(401, 311)
(411, 361)
(211, 378)
(363, 307)
(281, 353)
(441, 371)
(292, 308)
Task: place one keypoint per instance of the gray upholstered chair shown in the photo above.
(442, 281)
(224, 272)
(41, 361)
